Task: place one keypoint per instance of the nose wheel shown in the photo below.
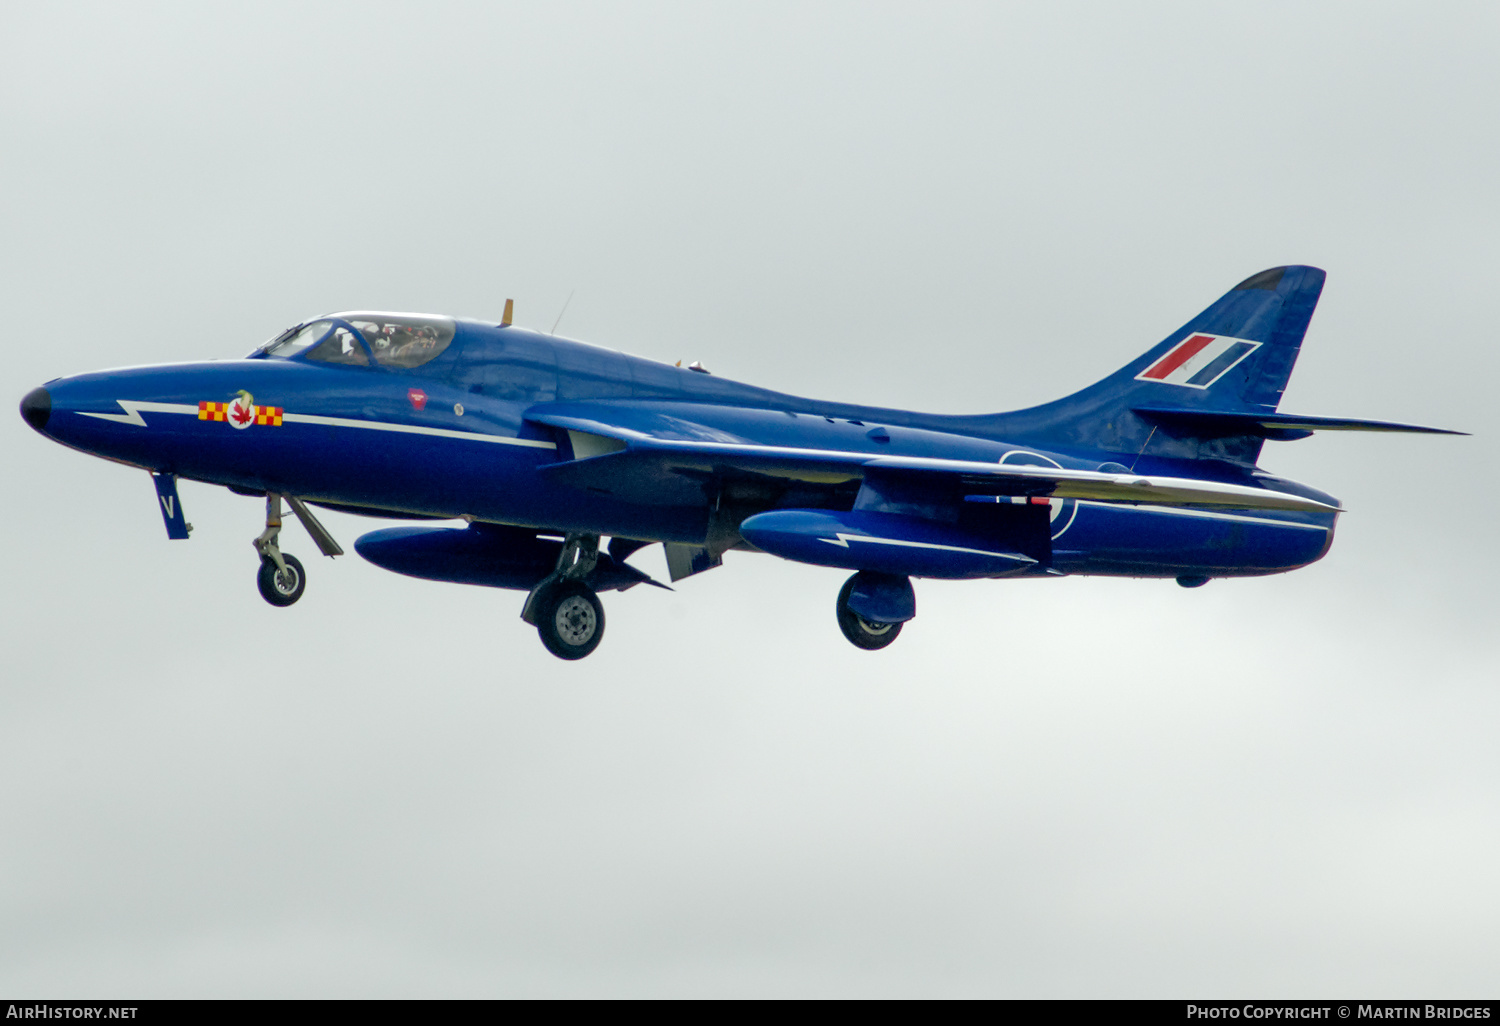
(281, 578)
(281, 585)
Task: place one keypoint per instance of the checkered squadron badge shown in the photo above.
(1199, 360)
(241, 412)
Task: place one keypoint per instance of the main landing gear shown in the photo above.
(570, 619)
(873, 606)
(281, 579)
(566, 612)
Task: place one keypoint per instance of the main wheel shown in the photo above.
(862, 633)
(570, 620)
(281, 589)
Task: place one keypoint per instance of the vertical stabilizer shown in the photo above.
(1234, 357)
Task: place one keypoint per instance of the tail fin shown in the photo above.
(1234, 357)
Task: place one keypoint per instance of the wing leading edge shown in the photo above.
(638, 464)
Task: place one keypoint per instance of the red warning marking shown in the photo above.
(418, 398)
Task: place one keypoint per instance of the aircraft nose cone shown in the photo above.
(37, 407)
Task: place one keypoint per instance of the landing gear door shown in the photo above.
(171, 506)
(687, 560)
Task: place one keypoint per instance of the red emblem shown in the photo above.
(241, 411)
(418, 398)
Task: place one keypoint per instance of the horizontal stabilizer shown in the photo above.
(1281, 426)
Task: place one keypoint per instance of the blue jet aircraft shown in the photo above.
(543, 446)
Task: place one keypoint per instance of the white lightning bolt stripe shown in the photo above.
(412, 429)
(133, 409)
(1204, 514)
(842, 540)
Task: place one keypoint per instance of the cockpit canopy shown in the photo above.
(396, 341)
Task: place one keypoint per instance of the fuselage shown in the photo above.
(455, 436)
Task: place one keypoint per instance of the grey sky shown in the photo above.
(1285, 786)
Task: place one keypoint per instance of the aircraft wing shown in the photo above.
(623, 460)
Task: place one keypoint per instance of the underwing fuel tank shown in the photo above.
(485, 554)
(888, 543)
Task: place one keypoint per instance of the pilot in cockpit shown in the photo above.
(343, 347)
(397, 342)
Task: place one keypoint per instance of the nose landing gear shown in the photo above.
(281, 579)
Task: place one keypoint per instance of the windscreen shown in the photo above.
(292, 343)
(397, 341)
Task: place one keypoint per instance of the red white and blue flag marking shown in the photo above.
(1198, 360)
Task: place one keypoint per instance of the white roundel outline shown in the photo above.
(1063, 511)
(239, 403)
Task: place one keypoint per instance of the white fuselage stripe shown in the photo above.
(1204, 514)
(133, 408)
(845, 539)
(132, 414)
(413, 429)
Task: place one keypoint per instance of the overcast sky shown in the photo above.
(1286, 786)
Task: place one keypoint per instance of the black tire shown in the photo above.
(281, 589)
(570, 619)
(862, 633)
